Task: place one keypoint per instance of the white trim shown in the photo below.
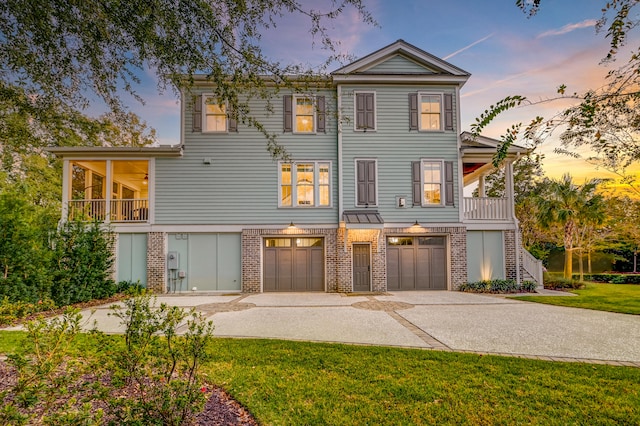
(206, 96)
(66, 188)
(355, 111)
(441, 97)
(404, 78)
(442, 183)
(316, 184)
(355, 181)
(151, 190)
(314, 104)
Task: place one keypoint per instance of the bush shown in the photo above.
(612, 278)
(10, 311)
(82, 261)
(559, 283)
(498, 287)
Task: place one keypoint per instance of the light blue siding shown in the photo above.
(398, 64)
(240, 186)
(132, 258)
(485, 255)
(394, 147)
(210, 262)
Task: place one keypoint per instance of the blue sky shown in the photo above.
(505, 52)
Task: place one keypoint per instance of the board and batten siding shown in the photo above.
(240, 186)
(395, 147)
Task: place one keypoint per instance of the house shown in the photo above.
(371, 200)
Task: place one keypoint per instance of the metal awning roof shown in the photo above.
(363, 219)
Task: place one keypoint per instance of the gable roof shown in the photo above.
(484, 145)
(419, 66)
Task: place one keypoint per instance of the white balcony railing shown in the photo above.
(127, 210)
(485, 208)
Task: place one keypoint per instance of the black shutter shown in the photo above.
(448, 111)
(413, 111)
(233, 122)
(448, 183)
(321, 114)
(369, 108)
(416, 185)
(365, 111)
(287, 113)
(366, 182)
(360, 111)
(197, 114)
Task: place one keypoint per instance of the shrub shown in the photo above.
(10, 311)
(497, 286)
(612, 278)
(529, 286)
(82, 261)
(559, 283)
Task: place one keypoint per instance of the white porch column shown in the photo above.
(481, 192)
(66, 188)
(508, 186)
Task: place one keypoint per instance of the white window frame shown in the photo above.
(441, 121)
(314, 106)
(423, 161)
(355, 111)
(355, 182)
(205, 129)
(316, 185)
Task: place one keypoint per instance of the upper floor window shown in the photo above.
(431, 112)
(303, 114)
(432, 183)
(365, 109)
(305, 184)
(215, 115)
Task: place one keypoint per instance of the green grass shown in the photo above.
(297, 383)
(622, 298)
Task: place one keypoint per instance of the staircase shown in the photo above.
(532, 268)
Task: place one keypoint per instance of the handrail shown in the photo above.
(120, 210)
(486, 208)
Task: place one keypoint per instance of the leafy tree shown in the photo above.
(623, 214)
(570, 206)
(606, 119)
(58, 55)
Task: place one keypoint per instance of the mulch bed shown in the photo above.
(220, 408)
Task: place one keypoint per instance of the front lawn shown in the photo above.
(622, 298)
(295, 383)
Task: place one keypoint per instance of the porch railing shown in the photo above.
(485, 208)
(533, 267)
(126, 210)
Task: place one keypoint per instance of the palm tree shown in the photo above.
(570, 206)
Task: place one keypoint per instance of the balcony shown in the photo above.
(486, 208)
(123, 211)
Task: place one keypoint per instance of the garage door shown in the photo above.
(416, 263)
(293, 264)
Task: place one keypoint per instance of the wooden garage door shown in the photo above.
(293, 264)
(416, 263)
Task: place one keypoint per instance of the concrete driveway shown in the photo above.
(440, 320)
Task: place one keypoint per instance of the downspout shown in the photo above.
(182, 114)
(340, 194)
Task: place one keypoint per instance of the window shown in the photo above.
(431, 182)
(365, 108)
(215, 115)
(305, 184)
(430, 112)
(304, 115)
(366, 188)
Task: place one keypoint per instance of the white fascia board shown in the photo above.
(401, 78)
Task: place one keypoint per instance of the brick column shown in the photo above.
(156, 262)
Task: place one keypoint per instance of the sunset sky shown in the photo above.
(505, 52)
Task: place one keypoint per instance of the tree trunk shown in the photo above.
(568, 263)
(589, 262)
(635, 260)
(581, 265)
